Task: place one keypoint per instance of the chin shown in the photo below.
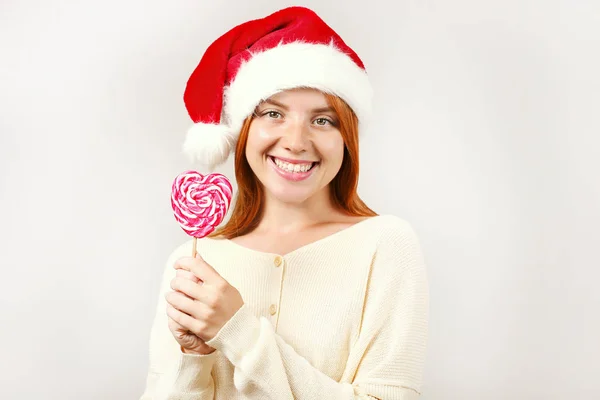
(291, 195)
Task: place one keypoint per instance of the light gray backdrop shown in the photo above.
(486, 141)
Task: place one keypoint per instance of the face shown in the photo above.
(294, 145)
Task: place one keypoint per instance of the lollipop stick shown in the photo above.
(194, 252)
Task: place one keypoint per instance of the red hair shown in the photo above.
(248, 208)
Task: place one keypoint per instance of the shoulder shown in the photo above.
(390, 228)
(397, 243)
(382, 232)
(181, 250)
(204, 246)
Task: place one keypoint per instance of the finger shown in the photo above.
(192, 290)
(182, 273)
(174, 325)
(185, 321)
(199, 268)
(181, 302)
(191, 307)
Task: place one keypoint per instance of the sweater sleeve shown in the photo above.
(386, 359)
(172, 374)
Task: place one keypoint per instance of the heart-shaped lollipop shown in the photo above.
(200, 202)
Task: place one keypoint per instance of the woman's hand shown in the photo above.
(189, 342)
(201, 304)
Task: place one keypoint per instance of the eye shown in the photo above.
(324, 122)
(273, 114)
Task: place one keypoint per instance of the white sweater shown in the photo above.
(344, 317)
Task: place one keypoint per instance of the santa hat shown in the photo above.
(288, 49)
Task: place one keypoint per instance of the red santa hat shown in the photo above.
(288, 49)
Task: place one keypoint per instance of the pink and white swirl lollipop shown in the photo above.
(200, 202)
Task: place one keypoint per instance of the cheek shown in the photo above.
(259, 141)
(332, 148)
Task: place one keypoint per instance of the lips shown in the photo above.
(292, 165)
(292, 170)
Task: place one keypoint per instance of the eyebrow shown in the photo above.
(286, 108)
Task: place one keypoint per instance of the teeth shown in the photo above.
(292, 167)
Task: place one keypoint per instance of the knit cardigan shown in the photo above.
(344, 317)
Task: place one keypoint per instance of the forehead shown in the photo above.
(301, 96)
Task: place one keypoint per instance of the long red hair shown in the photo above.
(248, 207)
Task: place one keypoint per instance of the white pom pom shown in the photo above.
(209, 144)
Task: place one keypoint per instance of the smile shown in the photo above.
(294, 170)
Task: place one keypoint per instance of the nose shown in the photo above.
(296, 138)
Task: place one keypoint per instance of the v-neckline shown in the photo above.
(305, 246)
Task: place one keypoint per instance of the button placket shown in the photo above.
(275, 289)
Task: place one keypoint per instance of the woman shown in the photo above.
(305, 293)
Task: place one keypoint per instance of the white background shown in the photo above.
(486, 142)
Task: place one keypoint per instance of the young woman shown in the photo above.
(305, 293)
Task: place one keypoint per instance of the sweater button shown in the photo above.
(277, 261)
(273, 309)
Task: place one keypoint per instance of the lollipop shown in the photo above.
(200, 202)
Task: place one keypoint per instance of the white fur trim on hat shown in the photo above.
(209, 144)
(294, 65)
